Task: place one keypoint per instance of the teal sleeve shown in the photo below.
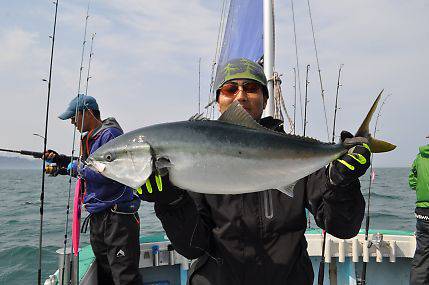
(412, 177)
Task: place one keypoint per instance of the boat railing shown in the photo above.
(378, 246)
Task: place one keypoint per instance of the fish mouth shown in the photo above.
(95, 165)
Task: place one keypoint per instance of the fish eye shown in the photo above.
(109, 157)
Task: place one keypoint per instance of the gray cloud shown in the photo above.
(146, 62)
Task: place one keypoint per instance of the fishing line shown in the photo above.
(45, 142)
(212, 100)
(297, 62)
(364, 265)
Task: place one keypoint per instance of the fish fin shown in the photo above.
(235, 114)
(288, 190)
(198, 117)
(376, 146)
(363, 130)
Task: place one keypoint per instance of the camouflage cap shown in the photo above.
(240, 68)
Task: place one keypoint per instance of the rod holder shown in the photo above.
(75, 269)
(171, 259)
(64, 266)
(185, 263)
(155, 254)
(392, 251)
(378, 255)
(365, 251)
(355, 250)
(341, 251)
(328, 253)
(70, 267)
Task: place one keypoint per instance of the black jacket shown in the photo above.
(236, 243)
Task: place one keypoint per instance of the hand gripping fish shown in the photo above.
(231, 155)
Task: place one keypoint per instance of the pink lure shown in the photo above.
(77, 207)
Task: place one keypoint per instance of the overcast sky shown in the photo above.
(145, 64)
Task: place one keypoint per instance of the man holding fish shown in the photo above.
(252, 234)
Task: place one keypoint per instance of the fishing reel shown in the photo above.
(54, 170)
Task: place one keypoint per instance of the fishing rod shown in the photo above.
(74, 140)
(199, 85)
(364, 265)
(321, 275)
(306, 98)
(91, 54)
(305, 121)
(45, 142)
(34, 154)
(297, 60)
(336, 103)
(322, 90)
(294, 101)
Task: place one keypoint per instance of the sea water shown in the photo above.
(392, 207)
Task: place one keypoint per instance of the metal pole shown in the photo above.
(269, 54)
(269, 73)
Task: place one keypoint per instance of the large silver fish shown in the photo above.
(231, 155)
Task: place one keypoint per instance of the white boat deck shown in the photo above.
(388, 254)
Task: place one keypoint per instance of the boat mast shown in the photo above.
(269, 54)
(268, 34)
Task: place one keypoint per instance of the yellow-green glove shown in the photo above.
(159, 189)
(351, 165)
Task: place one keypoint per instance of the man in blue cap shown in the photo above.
(112, 207)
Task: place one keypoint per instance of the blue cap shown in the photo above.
(80, 102)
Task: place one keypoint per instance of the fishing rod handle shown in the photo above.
(32, 153)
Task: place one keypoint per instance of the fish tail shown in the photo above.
(375, 145)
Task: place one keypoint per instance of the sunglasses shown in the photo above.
(232, 88)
